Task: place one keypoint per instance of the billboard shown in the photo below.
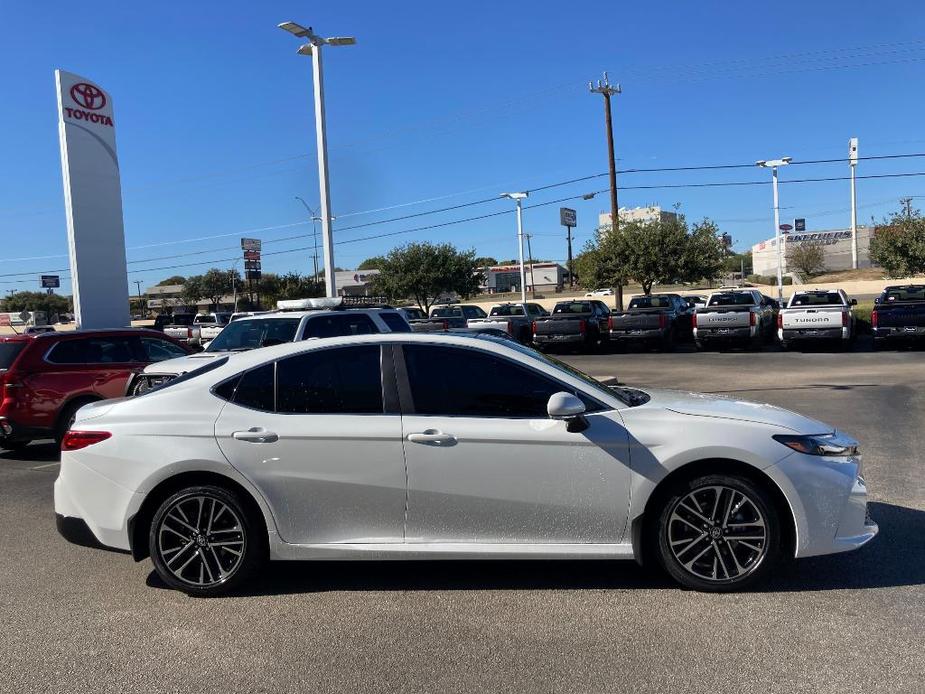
(51, 281)
(93, 202)
(568, 217)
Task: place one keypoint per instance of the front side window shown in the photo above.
(461, 382)
(345, 380)
(339, 324)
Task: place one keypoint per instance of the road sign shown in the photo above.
(568, 217)
(799, 225)
(250, 244)
(251, 264)
(251, 255)
(51, 281)
(786, 227)
(252, 275)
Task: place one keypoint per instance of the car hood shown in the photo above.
(182, 365)
(730, 407)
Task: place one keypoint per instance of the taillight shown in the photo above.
(694, 320)
(446, 325)
(8, 385)
(510, 327)
(844, 319)
(533, 327)
(662, 321)
(780, 320)
(874, 319)
(582, 326)
(75, 440)
(610, 322)
(189, 332)
(752, 318)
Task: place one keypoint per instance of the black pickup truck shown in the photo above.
(660, 319)
(899, 315)
(580, 323)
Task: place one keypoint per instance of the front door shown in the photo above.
(311, 434)
(486, 464)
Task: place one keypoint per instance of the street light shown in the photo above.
(518, 198)
(773, 164)
(313, 48)
(314, 217)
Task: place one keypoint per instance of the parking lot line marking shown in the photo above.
(42, 467)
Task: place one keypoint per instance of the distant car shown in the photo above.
(600, 292)
(816, 315)
(371, 447)
(411, 313)
(658, 319)
(46, 378)
(899, 315)
(576, 323)
(448, 316)
(38, 329)
(695, 300)
(514, 318)
(743, 317)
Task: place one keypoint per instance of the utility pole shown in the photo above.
(571, 273)
(907, 206)
(314, 217)
(605, 89)
(518, 200)
(138, 287)
(774, 164)
(530, 256)
(853, 164)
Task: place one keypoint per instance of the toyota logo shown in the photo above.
(88, 96)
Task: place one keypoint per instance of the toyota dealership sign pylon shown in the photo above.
(93, 203)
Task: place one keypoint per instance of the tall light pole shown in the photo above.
(518, 198)
(774, 164)
(313, 48)
(607, 90)
(314, 217)
(853, 163)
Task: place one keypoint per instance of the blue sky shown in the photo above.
(451, 102)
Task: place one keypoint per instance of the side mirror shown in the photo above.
(877, 300)
(854, 302)
(570, 408)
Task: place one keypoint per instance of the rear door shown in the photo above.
(316, 433)
(486, 464)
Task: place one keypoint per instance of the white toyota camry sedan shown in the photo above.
(422, 446)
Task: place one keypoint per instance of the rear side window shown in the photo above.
(336, 325)
(255, 389)
(346, 380)
(396, 323)
(93, 350)
(9, 351)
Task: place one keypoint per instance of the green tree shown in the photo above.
(51, 304)
(807, 258)
(734, 262)
(702, 257)
(485, 261)
(218, 283)
(373, 263)
(193, 290)
(176, 279)
(898, 244)
(423, 271)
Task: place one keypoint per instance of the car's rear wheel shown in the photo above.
(718, 533)
(204, 542)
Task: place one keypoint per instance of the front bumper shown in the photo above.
(85, 497)
(828, 498)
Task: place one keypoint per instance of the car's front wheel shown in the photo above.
(718, 533)
(204, 542)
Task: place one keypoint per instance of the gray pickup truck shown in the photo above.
(580, 323)
(660, 319)
(443, 318)
(516, 319)
(820, 314)
(738, 316)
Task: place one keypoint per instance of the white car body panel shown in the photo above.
(336, 485)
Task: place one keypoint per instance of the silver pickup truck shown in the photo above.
(741, 316)
(516, 319)
(815, 315)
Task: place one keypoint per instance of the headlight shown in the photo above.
(834, 444)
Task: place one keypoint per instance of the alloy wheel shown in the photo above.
(718, 534)
(201, 541)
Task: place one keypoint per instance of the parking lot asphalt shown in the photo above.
(81, 620)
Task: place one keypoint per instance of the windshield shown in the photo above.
(817, 299)
(732, 299)
(511, 310)
(244, 334)
(572, 307)
(9, 351)
(905, 294)
(650, 302)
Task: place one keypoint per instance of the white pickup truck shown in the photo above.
(819, 314)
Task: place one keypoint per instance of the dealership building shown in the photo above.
(835, 243)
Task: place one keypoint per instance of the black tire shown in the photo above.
(237, 527)
(699, 345)
(784, 345)
(716, 551)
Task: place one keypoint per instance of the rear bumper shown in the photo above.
(725, 333)
(791, 334)
(10, 430)
(651, 334)
(900, 333)
(557, 339)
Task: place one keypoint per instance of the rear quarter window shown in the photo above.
(9, 351)
(396, 323)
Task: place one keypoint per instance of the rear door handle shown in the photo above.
(433, 437)
(256, 435)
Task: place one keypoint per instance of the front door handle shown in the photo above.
(256, 435)
(433, 437)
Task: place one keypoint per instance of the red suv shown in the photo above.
(46, 378)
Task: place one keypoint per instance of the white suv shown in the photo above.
(296, 320)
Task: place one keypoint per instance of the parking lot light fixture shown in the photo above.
(518, 199)
(313, 49)
(774, 164)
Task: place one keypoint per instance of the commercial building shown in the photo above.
(652, 213)
(545, 277)
(354, 282)
(835, 243)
